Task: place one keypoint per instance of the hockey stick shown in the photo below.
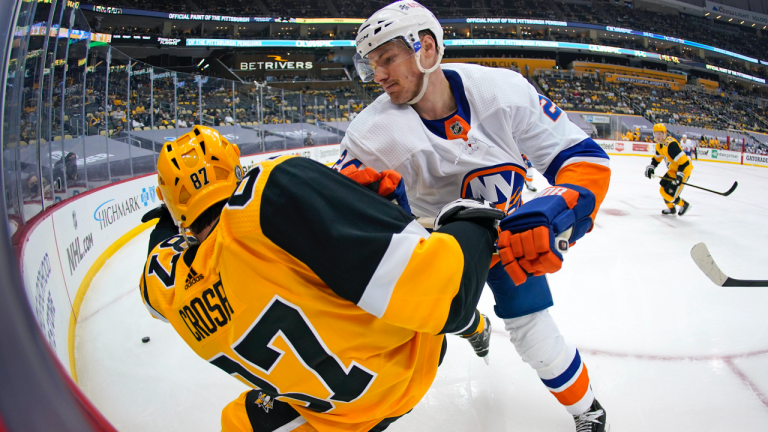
(726, 193)
(707, 264)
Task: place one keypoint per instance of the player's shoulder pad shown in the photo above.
(370, 135)
(488, 88)
(161, 264)
(381, 116)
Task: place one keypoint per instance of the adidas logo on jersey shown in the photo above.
(192, 278)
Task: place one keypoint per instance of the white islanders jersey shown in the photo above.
(483, 160)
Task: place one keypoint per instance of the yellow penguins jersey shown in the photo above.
(670, 150)
(320, 293)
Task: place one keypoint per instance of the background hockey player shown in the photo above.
(679, 170)
(309, 287)
(687, 145)
(459, 131)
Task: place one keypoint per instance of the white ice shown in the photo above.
(666, 349)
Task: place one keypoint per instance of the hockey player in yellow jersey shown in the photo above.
(308, 287)
(680, 167)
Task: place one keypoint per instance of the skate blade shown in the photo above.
(487, 360)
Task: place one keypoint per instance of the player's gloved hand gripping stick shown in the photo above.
(534, 237)
(387, 183)
(478, 211)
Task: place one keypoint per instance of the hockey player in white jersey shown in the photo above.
(458, 131)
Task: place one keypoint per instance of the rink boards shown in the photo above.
(636, 148)
(64, 247)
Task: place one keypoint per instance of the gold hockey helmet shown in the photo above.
(659, 127)
(195, 171)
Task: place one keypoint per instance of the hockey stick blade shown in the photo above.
(733, 188)
(705, 262)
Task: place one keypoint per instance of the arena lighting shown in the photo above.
(707, 14)
(206, 66)
(201, 62)
(718, 17)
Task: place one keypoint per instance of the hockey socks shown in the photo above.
(558, 364)
(568, 380)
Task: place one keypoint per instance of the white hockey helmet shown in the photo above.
(400, 20)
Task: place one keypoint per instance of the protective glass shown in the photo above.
(385, 56)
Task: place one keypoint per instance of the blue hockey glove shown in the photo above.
(534, 237)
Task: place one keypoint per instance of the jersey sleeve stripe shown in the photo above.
(154, 312)
(587, 148)
(337, 228)
(595, 160)
(473, 323)
(288, 427)
(378, 292)
(679, 155)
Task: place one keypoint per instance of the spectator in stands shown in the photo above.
(65, 172)
(32, 189)
(308, 141)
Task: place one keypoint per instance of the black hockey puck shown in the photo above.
(145, 339)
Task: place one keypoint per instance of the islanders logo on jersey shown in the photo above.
(500, 184)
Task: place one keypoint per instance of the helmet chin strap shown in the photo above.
(426, 76)
(188, 240)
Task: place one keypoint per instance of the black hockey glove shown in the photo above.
(478, 211)
(649, 170)
(679, 178)
(165, 228)
(160, 212)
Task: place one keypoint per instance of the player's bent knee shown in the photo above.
(536, 338)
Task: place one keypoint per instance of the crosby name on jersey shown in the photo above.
(478, 154)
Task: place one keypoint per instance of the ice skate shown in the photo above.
(685, 208)
(669, 211)
(594, 420)
(481, 341)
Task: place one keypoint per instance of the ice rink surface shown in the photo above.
(666, 349)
